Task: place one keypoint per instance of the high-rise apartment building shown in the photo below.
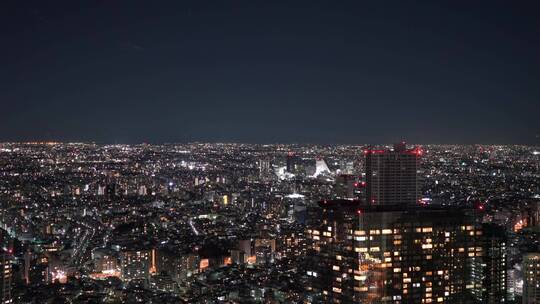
(489, 270)
(330, 251)
(178, 265)
(136, 264)
(392, 176)
(391, 254)
(5, 276)
(531, 278)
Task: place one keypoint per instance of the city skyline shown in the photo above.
(269, 152)
(242, 223)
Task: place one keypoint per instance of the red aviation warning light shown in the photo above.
(418, 151)
(480, 206)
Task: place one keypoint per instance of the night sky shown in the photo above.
(270, 71)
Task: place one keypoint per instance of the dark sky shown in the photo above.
(270, 71)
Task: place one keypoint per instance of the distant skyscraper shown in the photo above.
(391, 254)
(392, 176)
(111, 190)
(531, 278)
(291, 162)
(264, 168)
(101, 190)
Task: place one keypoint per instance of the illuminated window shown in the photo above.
(360, 278)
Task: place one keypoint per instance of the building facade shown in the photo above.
(489, 270)
(391, 254)
(136, 264)
(531, 278)
(6, 277)
(392, 176)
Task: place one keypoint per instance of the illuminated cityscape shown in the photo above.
(269, 152)
(209, 223)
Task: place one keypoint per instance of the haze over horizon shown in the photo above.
(270, 72)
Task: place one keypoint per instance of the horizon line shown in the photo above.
(56, 142)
